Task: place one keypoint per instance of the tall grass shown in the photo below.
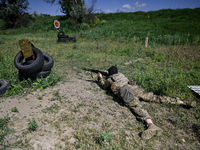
(167, 26)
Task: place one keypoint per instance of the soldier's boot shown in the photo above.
(152, 130)
(189, 104)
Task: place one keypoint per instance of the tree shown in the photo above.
(12, 12)
(74, 8)
(66, 5)
(91, 9)
(78, 13)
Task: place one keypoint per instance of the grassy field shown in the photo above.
(169, 63)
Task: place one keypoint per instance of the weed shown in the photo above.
(75, 110)
(45, 82)
(182, 116)
(32, 125)
(39, 105)
(79, 145)
(111, 148)
(40, 97)
(4, 131)
(53, 109)
(82, 104)
(56, 92)
(104, 137)
(14, 109)
(17, 86)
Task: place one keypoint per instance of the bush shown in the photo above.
(94, 22)
(84, 26)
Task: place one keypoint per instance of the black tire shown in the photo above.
(48, 62)
(23, 75)
(61, 34)
(32, 67)
(43, 74)
(34, 75)
(73, 39)
(4, 85)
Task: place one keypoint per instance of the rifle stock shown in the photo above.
(96, 71)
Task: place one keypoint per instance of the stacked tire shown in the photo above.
(64, 38)
(4, 86)
(38, 66)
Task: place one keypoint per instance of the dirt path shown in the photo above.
(66, 112)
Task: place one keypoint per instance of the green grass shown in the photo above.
(164, 70)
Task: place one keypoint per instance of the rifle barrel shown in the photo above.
(96, 71)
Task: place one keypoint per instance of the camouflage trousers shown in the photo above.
(140, 94)
(136, 107)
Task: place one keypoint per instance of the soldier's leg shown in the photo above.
(136, 107)
(151, 97)
(146, 96)
(143, 115)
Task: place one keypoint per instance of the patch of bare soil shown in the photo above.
(77, 109)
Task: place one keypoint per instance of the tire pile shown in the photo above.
(4, 86)
(38, 66)
(64, 38)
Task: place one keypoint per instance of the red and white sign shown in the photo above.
(56, 24)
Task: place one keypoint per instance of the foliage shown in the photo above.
(13, 13)
(78, 12)
(94, 22)
(68, 6)
(162, 26)
(197, 126)
(3, 129)
(32, 125)
(104, 137)
(45, 82)
(17, 86)
(35, 14)
(14, 109)
(84, 26)
(182, 116)
(137, 26)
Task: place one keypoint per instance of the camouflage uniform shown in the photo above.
(139, 94)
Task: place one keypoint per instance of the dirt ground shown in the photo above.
(63, 112)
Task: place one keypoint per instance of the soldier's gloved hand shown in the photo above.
(99, 76)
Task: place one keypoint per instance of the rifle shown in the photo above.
(96, 71)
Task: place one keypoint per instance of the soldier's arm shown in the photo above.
(105, 84)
